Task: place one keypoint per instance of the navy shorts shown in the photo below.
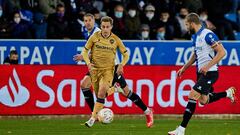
(204, 84)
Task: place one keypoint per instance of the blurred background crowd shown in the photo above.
(133, 19)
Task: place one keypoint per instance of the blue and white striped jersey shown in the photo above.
(87, 34)
(202, 42)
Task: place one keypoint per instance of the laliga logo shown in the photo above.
(20, 94)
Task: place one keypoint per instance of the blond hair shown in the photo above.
(107, 19)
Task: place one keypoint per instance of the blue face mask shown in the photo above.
(118, 14)
(60, 14)
(161, 35)
(1, 12)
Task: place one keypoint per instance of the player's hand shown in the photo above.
(180, 72)
(120, 69)
(78, 57)
(204, 70)
(90, 66)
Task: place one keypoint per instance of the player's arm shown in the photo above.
(125, 54)
(220, 53)
(187, 65)
(86, 49)
(78, 57)
(190, 62)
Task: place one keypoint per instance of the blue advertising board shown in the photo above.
(141, 52)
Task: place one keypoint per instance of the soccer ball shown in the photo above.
(105, 115)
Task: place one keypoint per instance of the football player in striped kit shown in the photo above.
(208, 51)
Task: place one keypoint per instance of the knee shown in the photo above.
(126, 91)
(101, 94)
(203, 102)
(102, 91)
(85, 84)
(193, 97)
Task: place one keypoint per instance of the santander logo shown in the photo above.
(14, 95)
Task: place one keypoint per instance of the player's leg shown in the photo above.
(189, 111)
(88, 95)
(190, 108)
(135, 99)
(213, 97)
(104, 84)
(95, 84)
(202, 87)
(229, 93)
(114, 87)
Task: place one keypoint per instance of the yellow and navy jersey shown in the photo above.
(103, 50)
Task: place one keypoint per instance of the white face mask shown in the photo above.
(17, 20)
(145, 34)
(149, 15)
(203, 17)
(164, 20)
(132, 13)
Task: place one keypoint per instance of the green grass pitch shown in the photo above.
(73, 126)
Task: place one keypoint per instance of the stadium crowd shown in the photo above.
(133, 19)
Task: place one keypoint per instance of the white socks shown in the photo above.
(147, 111)
(229, 93)
(181, 128)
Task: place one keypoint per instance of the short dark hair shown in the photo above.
(89, 15)
(60, 6)
(193, 17)
(107, 19)
(13, 52)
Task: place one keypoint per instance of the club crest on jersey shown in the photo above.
(111, 41)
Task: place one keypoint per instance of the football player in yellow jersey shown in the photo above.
(103, 46)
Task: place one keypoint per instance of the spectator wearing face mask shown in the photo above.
(132, 22)
(119, 27)
(144, 32)
(171, 25)
(19, 29)
(58, 24)
(150, 19)
(203, 14)
(181, 20)
(161, 32)
(12, 59)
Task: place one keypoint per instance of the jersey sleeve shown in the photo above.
(211, 38)
(89, 43)
(87, 47)
(123, 51)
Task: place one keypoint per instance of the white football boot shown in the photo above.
(178, 131)
(231, 94)
(90, 122)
